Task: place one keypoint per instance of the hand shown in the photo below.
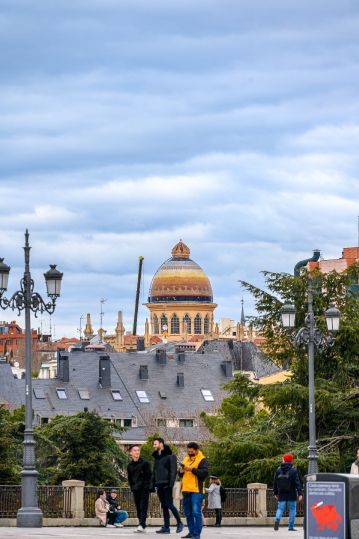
(118, 507)
(300, 498)
(276, 497)
(187, 468)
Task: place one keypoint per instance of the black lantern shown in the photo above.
(53, 279)
(288, 315)
(332, 316)
(4, 276)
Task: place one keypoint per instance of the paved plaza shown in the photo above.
(207, 533)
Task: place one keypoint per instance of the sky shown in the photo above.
(127, 126)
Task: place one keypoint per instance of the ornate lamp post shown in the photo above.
(311, 336)
(29, 516)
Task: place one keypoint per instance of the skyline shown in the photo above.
(126, 127)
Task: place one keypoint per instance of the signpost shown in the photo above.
(325, 510)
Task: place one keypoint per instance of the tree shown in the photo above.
(79, 447)
(10, 457)
(273, 419)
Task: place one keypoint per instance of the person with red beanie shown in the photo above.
(286, 485)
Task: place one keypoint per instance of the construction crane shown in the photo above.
(140, 263)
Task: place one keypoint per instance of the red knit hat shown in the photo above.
(288, 458)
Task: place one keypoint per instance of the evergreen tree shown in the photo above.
(10, 466)
(273, 419)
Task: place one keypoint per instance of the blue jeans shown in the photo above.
(121, 516)
(292, 512)
(192, 508)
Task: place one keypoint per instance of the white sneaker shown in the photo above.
(139, 529)
(110, 526)
(118, 525)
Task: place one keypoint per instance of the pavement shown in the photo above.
(207, 533)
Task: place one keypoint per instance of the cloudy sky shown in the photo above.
(127, 125)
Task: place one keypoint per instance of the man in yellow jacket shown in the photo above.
(193, 472)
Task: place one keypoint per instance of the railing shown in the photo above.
(272, 505)
(54, 501)
(125, 500)
(240, 502)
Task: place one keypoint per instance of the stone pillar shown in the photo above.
(120, 331)
(177, 494)
(147, 334)
(77, 497)
(261, 507)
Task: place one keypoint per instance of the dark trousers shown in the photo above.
(166, 499)
(141, 502)
(218, 516)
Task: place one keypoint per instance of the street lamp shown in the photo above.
(311, 336)
(29, 516)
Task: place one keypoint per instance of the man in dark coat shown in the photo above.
(163, 479)
(139, 478)
(286, 485)
(117, 515)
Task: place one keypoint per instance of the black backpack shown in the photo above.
(284, 482)
(223, 494)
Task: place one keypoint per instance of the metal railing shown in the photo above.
(240, 502)
(272, 505)
(54, 501)
(125, 500)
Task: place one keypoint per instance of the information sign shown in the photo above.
(325, 510)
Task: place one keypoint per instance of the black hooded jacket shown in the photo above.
(139, 474)
(164, 468)
(291, 496)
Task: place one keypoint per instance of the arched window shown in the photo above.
(155, 325)
(206, 324)
(197, 325)
(187, 319)
(175, 329)
(164, 322)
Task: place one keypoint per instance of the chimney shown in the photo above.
(63, 371)
(104, 371)
(227, 368)
(180, 379)
(181, 357)
(140, 344)
(144, 372)
(161, 356)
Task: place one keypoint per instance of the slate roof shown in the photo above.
(201, 371)
(245, 356)
(9, 388)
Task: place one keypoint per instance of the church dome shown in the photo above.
(180, 279)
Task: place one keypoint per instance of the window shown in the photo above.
(186, 422)
(197, 325)
(39, 392)
(9, 341)
(206, 324)
(164, 322)
(44, 420)
(207, 395)
(116, 395)
(17, 341)
(155, 325)
(187, 319)
(142, 397)
(127, 422)
(84, 394)
(160, 422)
(61, 393)
(1, 341)
(175, 329)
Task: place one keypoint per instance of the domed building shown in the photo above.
(180, 298)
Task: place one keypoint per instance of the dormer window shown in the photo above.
(207, 395)
(142, 396)
(61, 393)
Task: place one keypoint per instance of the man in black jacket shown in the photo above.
(139, 478)
(163, 479)
(286, 484)
(117, 515)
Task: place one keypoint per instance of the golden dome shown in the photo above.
(180, 279)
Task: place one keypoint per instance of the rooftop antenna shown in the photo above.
(80, 328)
(101, 315)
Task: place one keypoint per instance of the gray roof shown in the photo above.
(246, 356)
(9, 388)
(200, 371)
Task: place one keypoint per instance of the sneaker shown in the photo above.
(118, 525)
(179, 527)
(110, 526)
(139, 529)
(292, 530)
(164, 530)
(276, 525)
(188, 536)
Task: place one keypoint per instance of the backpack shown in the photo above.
(223, 493)
(284, 482)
